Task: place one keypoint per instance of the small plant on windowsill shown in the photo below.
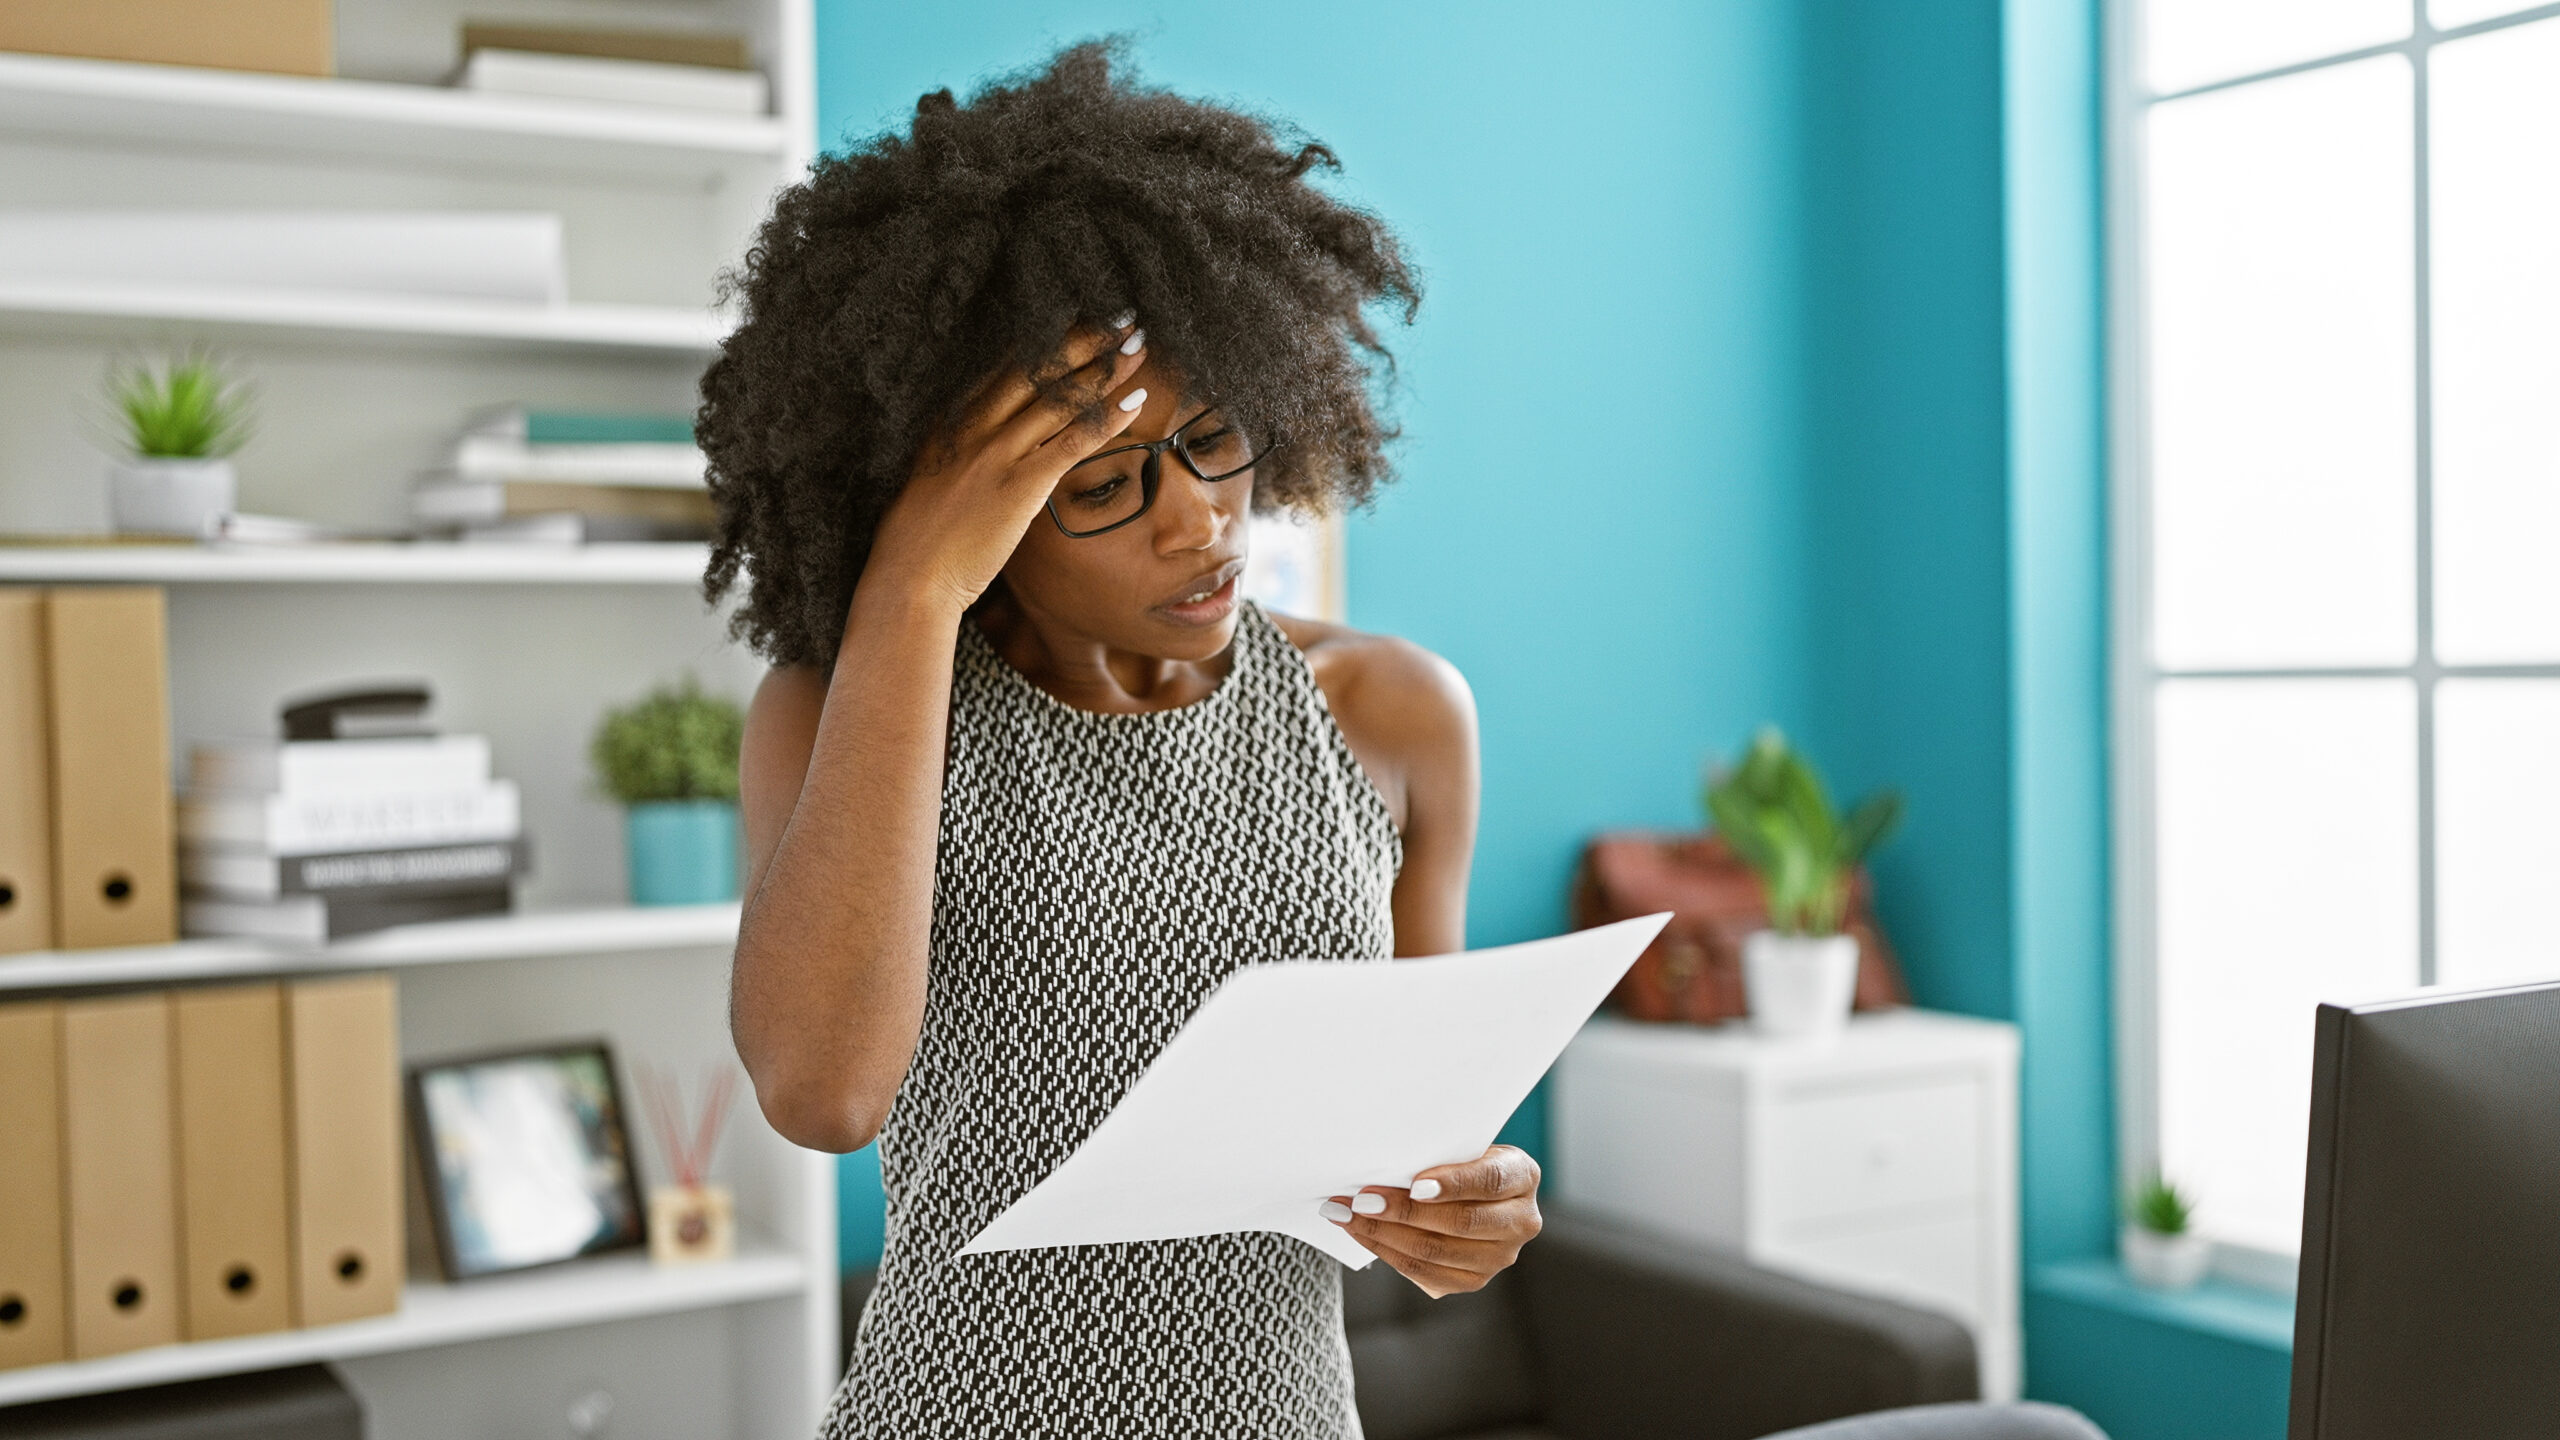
(178, 424)
(672, 760)
(1799, 975)
(2161, 1248)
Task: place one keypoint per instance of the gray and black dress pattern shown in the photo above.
(1097, 875)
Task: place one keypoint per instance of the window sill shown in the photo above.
(2263, 1318)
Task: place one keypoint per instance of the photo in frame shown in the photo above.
(1296, 565)
(525, 1158)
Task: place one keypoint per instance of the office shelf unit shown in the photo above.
(524, 935)
(372, 121)
(525, 644)
(533, 1302)
(423, 563)
(76, 310)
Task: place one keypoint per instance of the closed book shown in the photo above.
(565, 529)
(533, 530)
(33, 1328)
(115, 870)
(26, 781)
(581, 427)
(668, 467)
(329, 824)
(342, 1077)
(341, 767)
(722, 49)
(358, 874)
(316, 920)
(710, 89)
(235, 1240)
(453, 501)
(120, 1175)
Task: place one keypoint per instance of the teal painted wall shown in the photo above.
(1907, 483)
(2144, 1380)
(2058, 706)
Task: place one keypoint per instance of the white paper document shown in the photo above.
(1299, 1081)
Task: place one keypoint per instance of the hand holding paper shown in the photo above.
(1298, 1081)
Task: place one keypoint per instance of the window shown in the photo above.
(2337, 252)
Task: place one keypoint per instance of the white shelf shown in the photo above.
(422, 563)
(585, 1292)
(81, 308)
(522, 936)
(165, 105)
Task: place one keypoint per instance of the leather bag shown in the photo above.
(1693, 969)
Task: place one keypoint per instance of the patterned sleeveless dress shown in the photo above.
(1097, 876)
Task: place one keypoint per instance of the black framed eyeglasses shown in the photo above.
(1106, 491)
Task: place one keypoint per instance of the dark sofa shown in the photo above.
(1599, 1334)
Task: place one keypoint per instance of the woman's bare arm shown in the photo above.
(1411, 723)
(841, 778)
(840, 791)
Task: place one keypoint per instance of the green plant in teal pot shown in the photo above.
(672, 761)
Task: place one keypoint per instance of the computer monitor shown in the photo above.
(2430, 1283)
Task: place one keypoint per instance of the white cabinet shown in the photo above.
(1885, 1161)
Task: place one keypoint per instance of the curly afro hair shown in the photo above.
(892, 282)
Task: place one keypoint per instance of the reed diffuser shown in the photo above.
(691, 1220)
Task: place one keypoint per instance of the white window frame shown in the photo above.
(2134, 678)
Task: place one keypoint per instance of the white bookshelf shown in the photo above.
(338, 119)
(232, 312)
(434, 1314)
(525, 935)
(525, 644)
(665, 563)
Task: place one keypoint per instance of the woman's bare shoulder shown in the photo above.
(1384, 690)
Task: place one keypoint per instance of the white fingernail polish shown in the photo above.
(1335, 1211)
(1426, 1190)
(1136, 342)
(1369, 1202)
(1133, 400)
(1127, 319)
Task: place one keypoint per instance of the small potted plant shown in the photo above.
(672, 761)
(1799, 975)
(180, 422)
(2161, 1250)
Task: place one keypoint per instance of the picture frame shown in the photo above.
(1296, 565)
(524, 1158)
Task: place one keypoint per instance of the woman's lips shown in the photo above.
(1209, 608)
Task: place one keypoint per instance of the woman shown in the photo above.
(1027, 779)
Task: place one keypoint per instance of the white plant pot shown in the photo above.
(1799, 986)
(2164, 1262)
(154, 495)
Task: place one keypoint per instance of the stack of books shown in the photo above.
(312, 840)
(568, 476)
(686, 70)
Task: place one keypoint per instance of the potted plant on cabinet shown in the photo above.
(672, 761)
(181, 421)
(1800, 974)
(2161, 1249)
